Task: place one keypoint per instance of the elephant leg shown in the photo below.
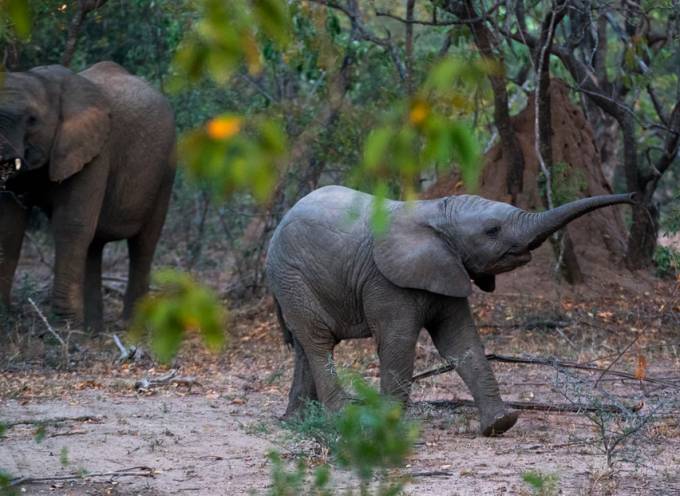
(13, 220)
(77, 204)
(141, 249)
(311, 326)
(94, 309)
(457, 340)
(396, 351)
(303, 388)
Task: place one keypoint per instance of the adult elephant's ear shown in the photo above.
(412, 255)
(84, 127)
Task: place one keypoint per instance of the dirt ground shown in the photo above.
(209, 434)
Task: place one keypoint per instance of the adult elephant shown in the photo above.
(96, 152)
(333, 279)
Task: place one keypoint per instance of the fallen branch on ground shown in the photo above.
(47, 324)
(550, 362)
(52, 421)
(543, 407)
(169, 378)
(127, 472)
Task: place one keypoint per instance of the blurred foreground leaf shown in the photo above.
(17, 14)
(226, 36)
(180, 306)
(373, 432)
(229, 155)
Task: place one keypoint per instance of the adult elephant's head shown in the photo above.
(50, 116)
(440, 245)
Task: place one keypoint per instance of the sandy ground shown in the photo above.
(212, 436)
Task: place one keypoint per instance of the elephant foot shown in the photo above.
(498, 424)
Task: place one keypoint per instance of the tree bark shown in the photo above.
(83, 9)
(567, 261)
(486, 43)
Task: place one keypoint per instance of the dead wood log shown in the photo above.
(127, 472)
(53, 421)
(552, 362)
(542, 407)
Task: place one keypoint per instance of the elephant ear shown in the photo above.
(412, 255)
(84, 127)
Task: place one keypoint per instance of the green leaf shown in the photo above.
(468, 154)
(20, 15)
(375, 147)
(39, 434)
(181, 305)
(63, 457)
(274, 19)
(380, 216)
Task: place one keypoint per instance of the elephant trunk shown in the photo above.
(544, 224)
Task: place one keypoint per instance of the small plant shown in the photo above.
(619, 426)
(667, 261)
(316, 423)
(541, 484)
(368, 436)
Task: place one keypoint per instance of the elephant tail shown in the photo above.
(287, 335)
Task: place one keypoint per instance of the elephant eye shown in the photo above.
(492, 232)
(32, 119)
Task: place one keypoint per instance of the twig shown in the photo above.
(52, 421)
(545, 361)
(433, 473)
(616, 360)
(124, 352)
(47, 324)
(169, 378)
(542, 407)
(127, 472)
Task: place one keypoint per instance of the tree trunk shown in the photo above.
(484, 40)
(567, 262)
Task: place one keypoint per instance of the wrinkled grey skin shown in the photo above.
(332, 279)
(96, 152)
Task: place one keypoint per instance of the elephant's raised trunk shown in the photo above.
(544, 224)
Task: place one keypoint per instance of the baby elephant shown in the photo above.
(334, 279)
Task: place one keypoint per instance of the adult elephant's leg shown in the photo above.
(13, 220)
(141, 249)
(75, 214)
(94, 308)
(457, 340)
(303, 388)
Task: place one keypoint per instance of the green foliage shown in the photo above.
(293, 483)
(228, 159)
(63, 457)
(181, 305)
(15, 15)
(368, 436)
(373, 432)
(317, 423)
(6, 484)
(541, 484)
(39, 434)
(226, 35)
(3, 430)
(568, 184)
(667, 261)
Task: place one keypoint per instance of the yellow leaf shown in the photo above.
(418, 113)
(223, 128)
